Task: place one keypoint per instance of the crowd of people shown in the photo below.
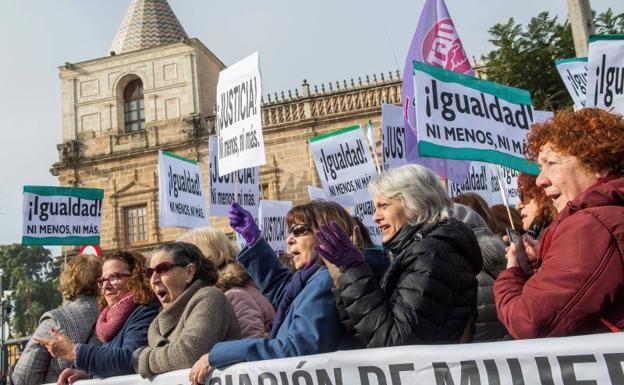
(448, 273)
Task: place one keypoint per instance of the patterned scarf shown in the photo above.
(293, 288)
(112, 318)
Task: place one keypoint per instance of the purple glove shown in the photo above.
(243, 223)
(336, 247)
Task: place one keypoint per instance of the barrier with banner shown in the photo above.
(588, 360)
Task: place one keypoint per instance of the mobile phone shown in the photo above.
(523, 258)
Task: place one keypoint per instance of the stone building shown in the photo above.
(156, 91)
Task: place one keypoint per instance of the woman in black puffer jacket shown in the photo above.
(429, 292)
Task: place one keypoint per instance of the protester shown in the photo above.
(500, 214)
(479, 205)
(195, 315)
(253, 311)
(536, 209)
(306, 321)
(75, 319)
(579, 286)
(127, 307)
(429, 292)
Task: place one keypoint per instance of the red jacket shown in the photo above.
(581, 277)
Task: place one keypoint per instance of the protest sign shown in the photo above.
(182, 200)
(588, 360)
(574, 75)
(364, 210)
(343, 162)
(272, 218)
(461, 117)
(246, 182)
(316, 193)
(605, 66)
(61, 216)
(392, 137)
(241, 144)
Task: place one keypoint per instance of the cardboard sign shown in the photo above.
(272, 218)
(61, 216)
(606, 73)
(344, 163)
(394, 149)
(574, 75)
(364, 209)
(240, 143)
(316, 193)
(182, 200)
(461, 117)
(246, 182)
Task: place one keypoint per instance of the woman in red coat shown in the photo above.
(579, 285)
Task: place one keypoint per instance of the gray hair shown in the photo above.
(423, 197)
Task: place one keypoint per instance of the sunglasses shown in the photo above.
(299, 230)
(161, 268)
(112, 279)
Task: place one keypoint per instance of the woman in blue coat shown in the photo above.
(126, 310)
(306, 319)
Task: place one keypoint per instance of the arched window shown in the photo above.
(134, 106)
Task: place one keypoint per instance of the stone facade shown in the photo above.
(179, 82)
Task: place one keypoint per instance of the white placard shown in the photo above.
(221, 194)
(606, 73)
(272, 223)
(316, 193)
(394, 150)
(239, 121)
(364, 209)
(461, 117)
(61, 215)
(181, 192)
(574, 75)
(343, 162)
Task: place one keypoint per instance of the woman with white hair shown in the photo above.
(429, 292)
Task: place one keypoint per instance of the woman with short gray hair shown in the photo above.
(429, 292)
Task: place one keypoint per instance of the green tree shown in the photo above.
(32, 275)
(523, 57)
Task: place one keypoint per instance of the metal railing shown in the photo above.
(11, 351)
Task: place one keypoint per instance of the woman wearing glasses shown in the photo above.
(195, 315)
(126, 310)
(306, 320)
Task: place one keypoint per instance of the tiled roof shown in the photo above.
(147, 24)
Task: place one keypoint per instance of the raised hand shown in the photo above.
(244, 223)
(60, 346)
(336, 247)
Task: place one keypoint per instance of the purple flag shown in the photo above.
(435, 42)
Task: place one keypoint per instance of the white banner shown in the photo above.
(587, 360)
(364, 209)
(239, 121)
(606, 73)
(394, 151)
(343, 162)
(181, 192)
(61, 215)
(461, 117)
(316, 193)
(272, 218)
(574, 75)
(246, 182)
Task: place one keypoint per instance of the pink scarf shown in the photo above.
(112, 318)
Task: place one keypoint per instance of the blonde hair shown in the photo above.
(213, 243)
(79, 276)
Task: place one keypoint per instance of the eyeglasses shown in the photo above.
(113, 279)
(161, 268)
(300, 230)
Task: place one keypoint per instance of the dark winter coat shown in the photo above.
(427, 295)
(581, 276)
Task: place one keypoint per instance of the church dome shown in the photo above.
(147, 24)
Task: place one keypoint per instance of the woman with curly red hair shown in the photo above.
(579, 285)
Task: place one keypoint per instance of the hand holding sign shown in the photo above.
(244, 224)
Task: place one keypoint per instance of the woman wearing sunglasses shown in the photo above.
(306, 320)
(127, 308)
(195, 315)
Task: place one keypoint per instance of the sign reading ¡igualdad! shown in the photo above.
(343, 162)
(605, 78)
(182, 200)
(573, 72)
(461, 117)
(61, 215)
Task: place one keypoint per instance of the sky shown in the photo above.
(321, 41)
